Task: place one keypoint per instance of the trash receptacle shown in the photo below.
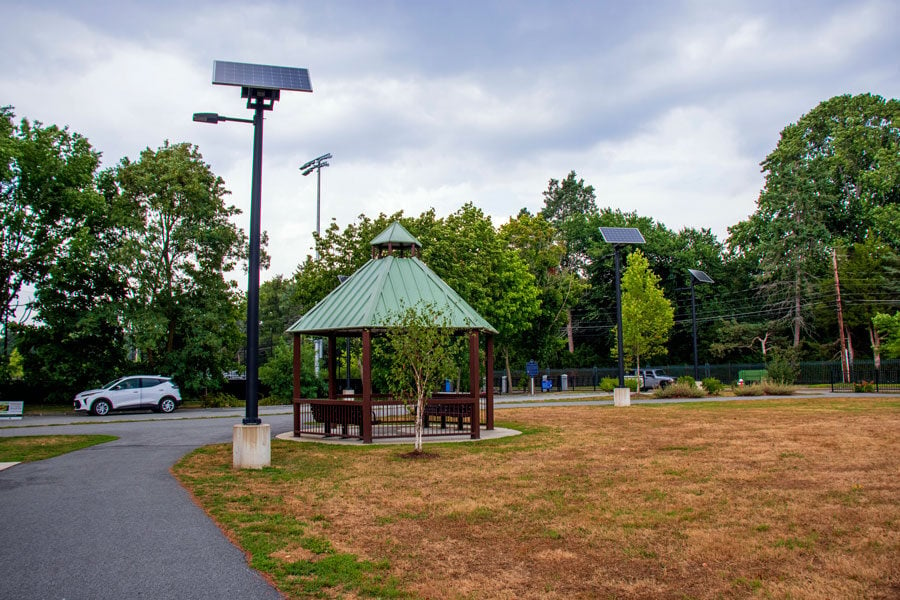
(563, 382)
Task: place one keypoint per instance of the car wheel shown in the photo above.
(101, 407)
(167, 404)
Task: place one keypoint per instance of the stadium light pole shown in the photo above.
(698, 277)
(261, 85)
(317, 164)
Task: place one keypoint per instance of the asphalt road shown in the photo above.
(110, 521)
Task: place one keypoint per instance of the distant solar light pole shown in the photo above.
(698, 277)
(618, 237)
(261, 85)
(317, 164)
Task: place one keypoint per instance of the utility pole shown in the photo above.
(845, 360)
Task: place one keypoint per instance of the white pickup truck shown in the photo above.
(654, 378)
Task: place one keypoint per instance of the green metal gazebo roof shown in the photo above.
(376, 295)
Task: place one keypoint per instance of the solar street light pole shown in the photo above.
(618, 237)
(619, 322)
(251, 416)
(696, 276)
(261, 85)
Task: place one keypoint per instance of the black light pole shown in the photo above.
(619, 335)
(258, 104)
(701, 277)
(261, 85)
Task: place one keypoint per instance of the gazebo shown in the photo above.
(368, 304)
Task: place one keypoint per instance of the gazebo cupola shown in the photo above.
(369, 303)
(395, 240)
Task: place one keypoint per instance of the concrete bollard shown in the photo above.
(252, 446)
(622, 396)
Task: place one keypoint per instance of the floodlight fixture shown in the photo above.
(618, 237)
(698, 277)
(261, 85)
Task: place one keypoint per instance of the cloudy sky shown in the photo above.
(665, 107)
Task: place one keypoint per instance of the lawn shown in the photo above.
(28, 448)
(781, 499)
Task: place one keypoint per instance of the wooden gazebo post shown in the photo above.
(298, 344)
(367, 386)
(489, 380)
(475, 385)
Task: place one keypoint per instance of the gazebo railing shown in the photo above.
(446, 414)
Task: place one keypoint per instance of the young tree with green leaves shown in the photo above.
(421, 349)
(647, 316)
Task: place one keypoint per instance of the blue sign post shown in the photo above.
(531, 369)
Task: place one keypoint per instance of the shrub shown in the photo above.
(772, 388)
(766, 388)
(220, 400)
(686, 380)
(608, 384)
(632, 383)
(679, 390)
(748, 390)
(274, 401)
(712, 386)
(784, 367)
(864, 386)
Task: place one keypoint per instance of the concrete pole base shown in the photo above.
(252, 446)
(622, 396)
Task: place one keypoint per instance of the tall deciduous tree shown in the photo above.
(833, 175)
(537, 244)
(183, 314)
(46, 190)
(471, 257)
(647, 316)
(570, 206)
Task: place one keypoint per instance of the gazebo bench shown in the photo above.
(444, 410)
(344, 414)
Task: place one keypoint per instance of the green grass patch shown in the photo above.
(29, 448)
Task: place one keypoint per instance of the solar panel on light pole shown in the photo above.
(620, 236)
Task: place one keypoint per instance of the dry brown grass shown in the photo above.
(782, 499)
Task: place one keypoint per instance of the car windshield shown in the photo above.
(112, 383)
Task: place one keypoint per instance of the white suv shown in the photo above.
(159, 394)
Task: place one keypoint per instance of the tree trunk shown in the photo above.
(420, 420)
(797, 318)
(569, 333)
(876, 346)
(509, 382)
